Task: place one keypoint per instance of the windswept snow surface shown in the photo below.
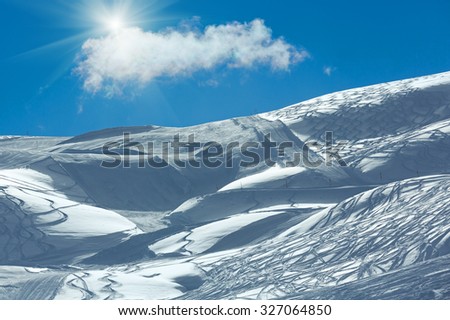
(373, 224)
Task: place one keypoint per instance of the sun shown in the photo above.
(115, 23)
(114, 16)
(97, 18)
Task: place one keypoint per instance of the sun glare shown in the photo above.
(97, 18)
(115, 23)
(111, 16)
(114, 16)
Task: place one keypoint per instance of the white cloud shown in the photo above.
(209, 83)
(80, 108)
(132, 56)
(328, 70)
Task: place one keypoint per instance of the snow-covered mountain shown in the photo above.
(373, 222)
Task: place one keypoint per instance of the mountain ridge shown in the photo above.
(81, 230)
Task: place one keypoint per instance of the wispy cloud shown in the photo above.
(80, 108)
(327, 70)
(132, 56)
(209, 83)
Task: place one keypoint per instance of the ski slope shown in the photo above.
(376, 228)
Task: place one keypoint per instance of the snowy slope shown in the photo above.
(378, 227)
(40, 225)
(161, 189)
(388, 132)
(375, 232)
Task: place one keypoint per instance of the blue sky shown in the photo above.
(350, 44)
